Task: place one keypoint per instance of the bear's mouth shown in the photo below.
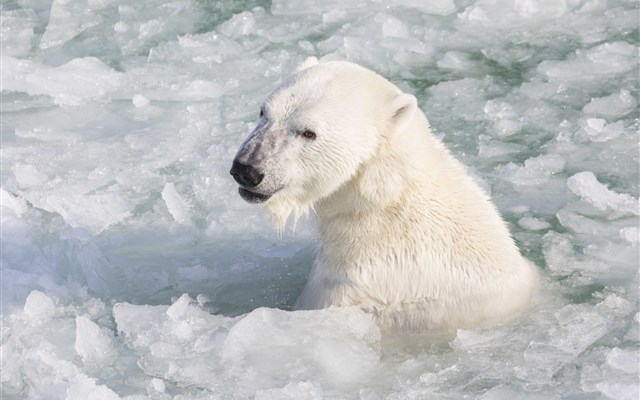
(253, 197)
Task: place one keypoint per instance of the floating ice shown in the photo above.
(140, 101)
(437, 7)
(504, 117)
(67, 20)
(512, 14)
(535, 171)
(93, 344)
(39, 307)
(119, 121)
(455, 60)
(533, 224)
(608, 58)
(94, 212)
(586, 185)
(28, 175)
(615, 105)
(175, 204)
(87, 388)
(92, 79)
(13, 203)
(287, 7)
(393, 27)
(17, 29)
(241, 24)
(292, 391)
(624, 360)
(598, 130)
(630, 234)
(341, 347)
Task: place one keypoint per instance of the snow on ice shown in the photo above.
(131, 269)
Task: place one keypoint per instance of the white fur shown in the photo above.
(406, 234)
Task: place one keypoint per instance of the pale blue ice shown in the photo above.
(131, 269)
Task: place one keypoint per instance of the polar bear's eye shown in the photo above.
(261, 112)
(308, 134)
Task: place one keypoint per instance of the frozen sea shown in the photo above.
(131, 269)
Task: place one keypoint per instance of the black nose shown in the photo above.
(246, 175)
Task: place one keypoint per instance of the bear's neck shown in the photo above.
(409, 177)
(399, 164)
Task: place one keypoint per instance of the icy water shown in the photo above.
(132, 269)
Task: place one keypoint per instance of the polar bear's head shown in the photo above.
(314, 133)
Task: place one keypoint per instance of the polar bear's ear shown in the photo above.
(402, 109)
(309, 62)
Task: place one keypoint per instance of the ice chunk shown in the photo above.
(92, 79)
(93, 344)
(241, 24)
(615, 105)
(201, 90)
(39, 306)
(288, 7)
(631, 234)
(583, 225)
(607, 58)
(393, 27)
(459, 95)
(474, 340)
(139, 323)
(179, 307)
(619, 391)
(158, 385)
(176, 313)
(121, 27)
(67, 20)
(634, 331)
(341, 346)
(562, 258)
(586, 185)
(533, 224)
(499, 109)
(535, 171)
(146, 326)
(578, 327)
(13, 203)
(85, 388)
(150, 29)
(292, 391)
(624, 360)
(335, 15)
(622, 258)
(140, 101)
(490, 147)
(598, 130)
(436, 7)
(176, 205)
(617, 377)
(28, 175)
(613, 57)
(506, 392)
(512, 14)
(506, 120)
(94, 212)
(455, 60)
(140, 26)
(17, 28)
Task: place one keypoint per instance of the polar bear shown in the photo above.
(406, 234)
